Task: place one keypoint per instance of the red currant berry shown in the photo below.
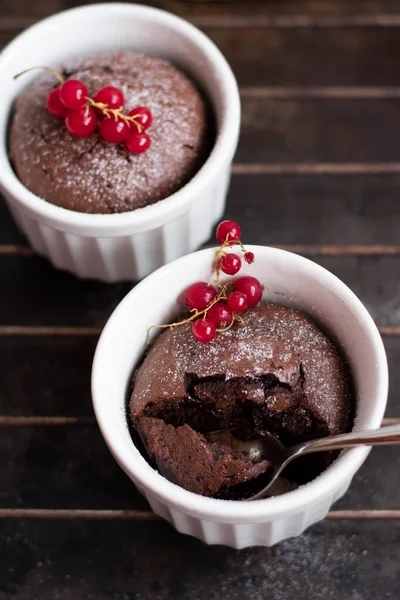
(220, 315)
(251, 287)
(230, 264)
(142, 115)
(249, 257)
(81, 123)
(73, 94)
(228, 230)
(55, 106)
(114, 131)
(137, 143)
(111, 96)
(204, 330)
(199, 296)
(237, 302)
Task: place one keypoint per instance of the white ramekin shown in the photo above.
(288, 279)
(129, 245)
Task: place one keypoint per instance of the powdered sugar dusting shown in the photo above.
(271, 339)
(90, 175)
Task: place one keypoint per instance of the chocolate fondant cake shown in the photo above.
(90, 175)
(275, 371)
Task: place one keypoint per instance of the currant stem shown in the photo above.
(55, 73)
(196, 313)
(221, 252)
(116, 113)
(243, 249)
(229, 326)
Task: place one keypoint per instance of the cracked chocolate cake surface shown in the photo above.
(93, 176)
(274, 371)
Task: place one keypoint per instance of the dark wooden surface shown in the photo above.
(317, 171)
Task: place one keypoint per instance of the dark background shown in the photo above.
(318, 171)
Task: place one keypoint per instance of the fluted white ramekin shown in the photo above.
(128, 245)
(288, 279)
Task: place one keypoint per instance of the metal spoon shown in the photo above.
(270, 448)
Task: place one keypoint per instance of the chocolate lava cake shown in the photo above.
(93, 176)
(275, 371)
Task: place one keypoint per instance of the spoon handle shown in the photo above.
(377, 437)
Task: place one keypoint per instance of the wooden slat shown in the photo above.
(273, 8)
(390, 330)
(311, 131)
(58, 300)
(46, 376)
(12, 421)
(16, 330)
(302, 57)
(9, 233)
(314, 209)
(71, 468)
(350, 250)
(16, 24)
(317, 168)
(363, 514)
(299, 21)
(351, 58)
(305, 249)
(21, 9)
(309, 209)
(62, 467)
(14, 250)
(227, 7)
(307, 92)
(371, 487)
(374, 280)
(143, 515)
(45, 380)
(36, 295)
(23, 421)
(90, 514)
(293, 56)
(233, 14)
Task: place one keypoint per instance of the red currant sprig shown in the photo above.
(228, 235)
(215, 311)
(71, 101)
